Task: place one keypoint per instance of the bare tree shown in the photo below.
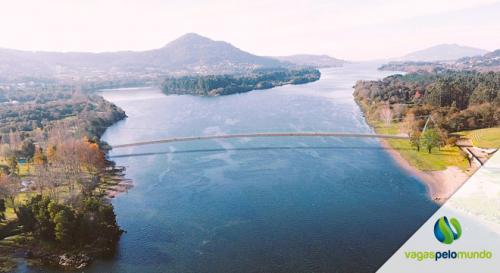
(409, 124)
(14, 140)
(9, 189)
(399, 111)
(386, 114)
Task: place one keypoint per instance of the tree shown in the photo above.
(51, 153)
(386, 114)
(3, 208)
(431, 139)
(483, 93)
(64, 226)
(92, 160)
(26, 218)
(399, 111)
(27, 148)
(39, 206)
(12, 164)
(14, 140)
(39, 158)
(415, 139)
(409, 124)
(9, 188)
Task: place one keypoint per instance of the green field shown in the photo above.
(484, 138)
(439, 159)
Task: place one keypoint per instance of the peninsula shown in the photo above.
(439, 112)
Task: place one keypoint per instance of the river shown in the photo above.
(294, 205)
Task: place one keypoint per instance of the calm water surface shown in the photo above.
(269, 205)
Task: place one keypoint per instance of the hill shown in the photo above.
(317, 61)
(198, 54)
(443, 52)
(482, 63)
(189, 54)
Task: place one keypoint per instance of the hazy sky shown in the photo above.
(349, 29)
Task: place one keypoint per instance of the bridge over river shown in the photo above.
(262, 134)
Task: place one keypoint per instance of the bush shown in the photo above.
(93, 222)
(451, 141)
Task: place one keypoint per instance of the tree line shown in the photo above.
(215, 85)
(457, 100)
(29, 116)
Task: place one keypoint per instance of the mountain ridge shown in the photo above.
(481, 63)
(313, 60)
(188, 54)
(443, 52)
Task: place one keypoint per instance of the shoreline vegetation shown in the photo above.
(444, 115)
(55, 180)
(220, 85)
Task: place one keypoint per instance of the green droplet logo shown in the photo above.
(447, 231)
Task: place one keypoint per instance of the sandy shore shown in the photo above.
(440, 184)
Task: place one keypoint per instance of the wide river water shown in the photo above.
(290, 205)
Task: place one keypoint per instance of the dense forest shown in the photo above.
(413, 66)
(27, 111)
(457, 100)
(215, 85)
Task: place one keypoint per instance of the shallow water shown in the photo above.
(259, 205)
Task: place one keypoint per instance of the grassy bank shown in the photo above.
(484, 138)
(439, 159)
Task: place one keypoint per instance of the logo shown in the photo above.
(447, 231)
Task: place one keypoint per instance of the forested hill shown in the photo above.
(458, 100)
(216, 85)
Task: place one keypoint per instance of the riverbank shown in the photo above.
(440, 184)
(443, 171)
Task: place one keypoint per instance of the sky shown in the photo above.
(347, 29)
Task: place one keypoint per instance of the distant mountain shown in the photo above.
(482, 63)
(443, 52)
(189, 54)
(318, 61)
(193, 50)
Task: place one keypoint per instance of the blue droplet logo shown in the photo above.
(447, 231)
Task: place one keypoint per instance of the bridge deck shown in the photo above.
(266, 134)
